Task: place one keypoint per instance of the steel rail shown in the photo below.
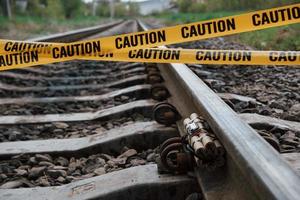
(254, 170)
(78, 34)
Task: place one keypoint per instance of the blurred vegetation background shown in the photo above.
(229, 5)
(67, 9)
(24, 19)
(30, 18)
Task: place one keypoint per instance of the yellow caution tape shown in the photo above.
(176, 34)
(163, 55)
(15, 54)
(192, 56)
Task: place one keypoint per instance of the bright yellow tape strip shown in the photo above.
(176, 34)
(16, 54)
(164, 55)
(192, 56)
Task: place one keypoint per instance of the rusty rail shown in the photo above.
(254, 170)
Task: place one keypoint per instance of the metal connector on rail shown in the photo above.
(165, 113)
(159, 92)
(174, 157)
(204, 145)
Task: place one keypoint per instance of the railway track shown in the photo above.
(108, 130)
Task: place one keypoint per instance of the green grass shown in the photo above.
(281, 38)
(192, 17)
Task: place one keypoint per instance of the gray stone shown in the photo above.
(100, 171)
(128, 153)
(76, 173)
(62, 161)
(72, 167)
(295, 108)
(3, 176)
(59, 168)
(58, 131)
(87, 176)
(100, 130)
(290, 142)
(11, 184)
(119, 161)
(36, 172)
(25, 167)
(43, 181)
(100, 161)
(136, 162)
(124, 98)
(109, 125)
(12, 137)
(21, 172)
(45, 163)
(61, 179)
(56, 173)
(60, 125)
(15, 163)
(70, 178)
(287, 147)
(40, 157)
(151, 157)
(5, 168)
(106, 157)
(277, 105)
